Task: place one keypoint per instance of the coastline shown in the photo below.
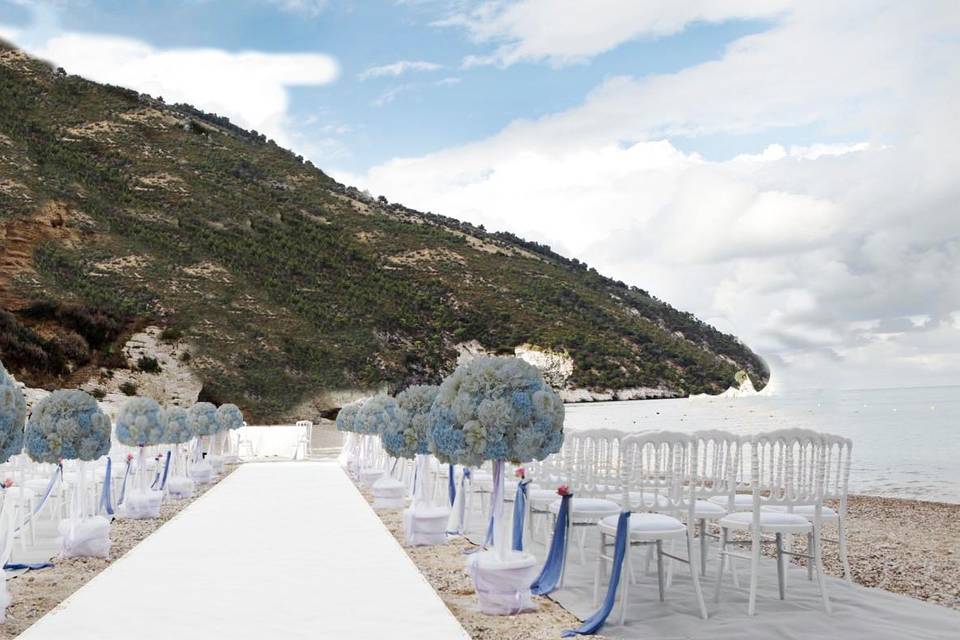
(35, 593)
(908, 547)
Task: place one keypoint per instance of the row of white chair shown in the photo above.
(771, 483)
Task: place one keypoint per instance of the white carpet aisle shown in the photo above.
(276, 550)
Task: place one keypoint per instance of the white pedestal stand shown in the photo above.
(502, 577)
(424, 523)
(388, 493)
(503, 584)
(82, 536)
(143, 502)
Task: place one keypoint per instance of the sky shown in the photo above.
(787, 171)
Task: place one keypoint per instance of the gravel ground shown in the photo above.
(36, 592)
(904, 546)
(443, 566)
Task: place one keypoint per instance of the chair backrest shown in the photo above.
(591, 461)
(596, 468)
(838, 451)
(655, 465)
(788, 468)
(713, 464)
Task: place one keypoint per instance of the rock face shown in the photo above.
(174, 384)
(325, 404)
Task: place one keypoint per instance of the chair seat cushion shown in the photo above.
(704, 509)
(587, 508)
(644, 500)
(541, 497)
(645, 526)
(805, 510)
(16, 492)
(740, 501)
(769, 521)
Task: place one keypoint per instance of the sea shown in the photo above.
(906, 442)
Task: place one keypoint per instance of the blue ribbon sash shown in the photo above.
(105, 502)
(519, 513)
(123, 485)
(592, 624)
(29, 566)
(552, 570)
(162, 479)
(57, 473)
(451, 484)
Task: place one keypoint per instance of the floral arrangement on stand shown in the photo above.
(499, 409)
(230, 418)
(141, 423)
(406, 437)
(423, 522)
(13, 416)
(177, 433)
(350, 455)
(203, 422)
(69, 425)
(378, 413)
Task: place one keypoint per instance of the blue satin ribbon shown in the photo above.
(105, 502)
(58, 472)
(519, 513)
(552, 570)
(123, 486)
(416, 477)
(29, 566)
(451, 484)
(166, 471)
(592, 624)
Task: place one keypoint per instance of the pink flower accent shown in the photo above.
(7, 483)
(520, 473)
(129, 457)
(563, 490)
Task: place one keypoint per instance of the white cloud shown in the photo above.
(391, 94)
(398, 68)
(249, 87)
(814, 254)
(565, 31)
(310, 8)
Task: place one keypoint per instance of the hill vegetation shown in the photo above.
(118, 211)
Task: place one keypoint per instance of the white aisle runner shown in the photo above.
(276, 550)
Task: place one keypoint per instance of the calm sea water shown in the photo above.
(906, 442)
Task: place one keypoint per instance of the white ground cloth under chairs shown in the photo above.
(787, 470)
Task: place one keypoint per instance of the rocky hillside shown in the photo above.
(279, 285)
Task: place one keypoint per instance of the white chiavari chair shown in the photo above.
(787, 470)
(709, 473)
(837, 451)
(653, 465)
(588, 483)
